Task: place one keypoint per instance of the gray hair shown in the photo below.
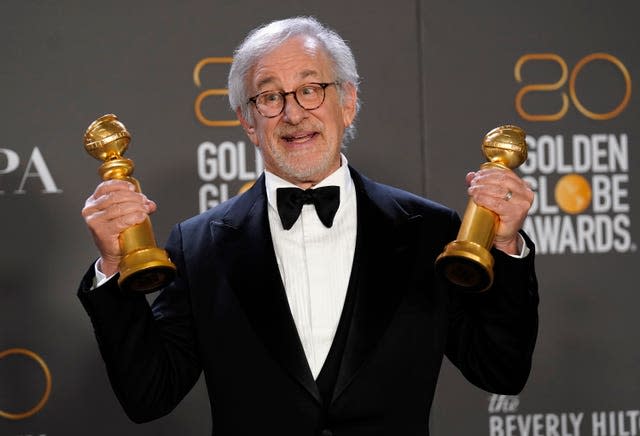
(267, 37)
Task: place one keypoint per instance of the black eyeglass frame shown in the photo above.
(323, 86)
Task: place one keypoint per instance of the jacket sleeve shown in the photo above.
(150, 355)
(492, 335)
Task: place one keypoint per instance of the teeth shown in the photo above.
(298, 138)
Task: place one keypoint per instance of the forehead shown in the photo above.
(297, 59)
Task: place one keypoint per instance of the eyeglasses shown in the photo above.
(309, 96)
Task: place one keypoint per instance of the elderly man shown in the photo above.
(310, 301)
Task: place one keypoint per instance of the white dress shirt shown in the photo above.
(315, 263)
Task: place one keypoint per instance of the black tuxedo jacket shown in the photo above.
(227, 315)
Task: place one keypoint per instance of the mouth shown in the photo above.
(299, 138)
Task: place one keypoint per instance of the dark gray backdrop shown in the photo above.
(436, 77)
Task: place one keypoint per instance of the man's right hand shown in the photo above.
(112, 208)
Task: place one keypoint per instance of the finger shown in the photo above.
(113, 221)
(469, 177)
(500, 177)
(109, 189)
(150, 205)
(117, 210)
(516, 204)
(113, 185)
(502, 184)
(112, 198)
(124, 197)
(123, 222)
(493, 176)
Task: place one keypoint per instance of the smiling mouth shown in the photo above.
(299, 138)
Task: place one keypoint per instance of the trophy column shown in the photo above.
(144, 267)
(467, 262)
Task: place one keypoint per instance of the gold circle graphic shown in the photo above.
(47, 389)
(573, 193)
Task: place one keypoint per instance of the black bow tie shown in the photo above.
(290, 200)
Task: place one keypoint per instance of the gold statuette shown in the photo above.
(467, 262)
(144, 267)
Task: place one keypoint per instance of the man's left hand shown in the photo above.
(507, 195)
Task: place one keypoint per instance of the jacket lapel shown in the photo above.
(385, 252)
(256, 281)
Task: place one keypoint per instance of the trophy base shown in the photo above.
(467, 265)
(146, 270)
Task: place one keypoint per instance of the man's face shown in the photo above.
(301, 146)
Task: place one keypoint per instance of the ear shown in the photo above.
(248, 127)
(349, 100)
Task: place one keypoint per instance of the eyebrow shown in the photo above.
(270, 79)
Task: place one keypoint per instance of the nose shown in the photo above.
(293, 113)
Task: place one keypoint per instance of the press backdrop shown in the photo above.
(436, 76)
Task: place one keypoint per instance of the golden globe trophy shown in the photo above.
(144, 267)
(467, 262)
